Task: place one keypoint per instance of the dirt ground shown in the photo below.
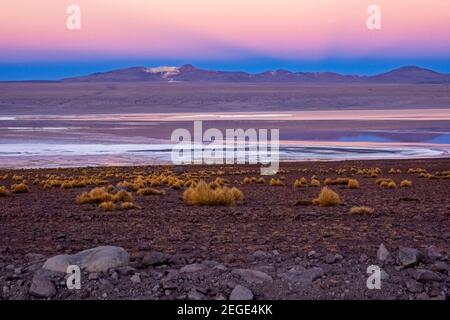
(269, 233)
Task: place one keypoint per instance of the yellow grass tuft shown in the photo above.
(363, 210)
(327, 198)
(123, 196)
(203, 194)
(260, 180)
(20, 188)
(128, 205)
(276, 182)
(150, 191)
(107, 206)
(4, 192)
(353, 184)
(406, 183)
(315, 182)
(96, 195)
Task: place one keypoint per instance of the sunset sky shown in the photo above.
(251, 35)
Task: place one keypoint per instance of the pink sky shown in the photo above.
(312, 29)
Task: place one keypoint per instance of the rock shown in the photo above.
(312, 254)
(135, 278)
(126, 271)
(241, 293)
(433, 253)
(154, 259)
(332, 258)
(440, 266)
(383, 255)
(34, 257)
(93, 276)
(422, 296)
(306, 276)
(195, 295)
(41, 286)
(98, 259)
(363, 258)
(414, 286)
(220, 267)
(408, 256)
(252, 276)
(260, 255)
(424, 275)
(210, 263)
(195, 267)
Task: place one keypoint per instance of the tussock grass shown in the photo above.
(406, 183)
(150, 191)
(123, 196)
(302, 182)
(20, 188)
(327, 198)
(107, 206)
(261, 181)
(96, 195)
(4, 192)
(202, 194)
(363, 210)
(129, 205)
(353, 184)
(315, 182)
(276, 182)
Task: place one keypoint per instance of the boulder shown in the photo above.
(306, 276)
(154, 259)
(98, 259)
(42, 286)
(252, 276)
(241, 293)
(408, 256)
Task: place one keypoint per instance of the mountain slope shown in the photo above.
(189, 73)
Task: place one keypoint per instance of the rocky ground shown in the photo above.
(266, 248)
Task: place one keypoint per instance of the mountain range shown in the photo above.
(190, 73)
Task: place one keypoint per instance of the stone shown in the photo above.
(194, 267)
(433, 253)
(306, 276)
(424, 275)
(241, 293)
(42, 286)
(440, 266)
(154, 259)
(383, 255)
(195, 295)
(414, 286)
(93, 276)
(332, 258)
(135, 278)
(422, 296)
(99, 259)
(260, 255)
(34, 257)
(408, 256)
(312, 254)
(252, 276)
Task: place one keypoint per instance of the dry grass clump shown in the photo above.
(96, 195)
(260, 180)
(315, 182)
(353, 184)
(20, 188)
(327, 198)
(302, 182)
(203, 194)
(406, 183)
(107, 206)
(276, 182)
(247, 180)
(123, 196)
(150, 191)
(17, 178)
(363, 210)
(129, 206)
(395, 171)
(4, 192)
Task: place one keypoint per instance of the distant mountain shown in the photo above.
(189, 73)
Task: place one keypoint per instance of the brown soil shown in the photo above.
(50, 222)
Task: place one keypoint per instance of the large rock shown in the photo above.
(433, 253)
(241, 293)
(98, 259)
(414, 286)
(408, 256)
(252, 276)
(42, 286)
(306, 276)
(383, 254)
(424, 275)
(194, 267)
(154, 259)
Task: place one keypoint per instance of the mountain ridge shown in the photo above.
(190, 73)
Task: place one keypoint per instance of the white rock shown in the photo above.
(241, 293)
(98, 259)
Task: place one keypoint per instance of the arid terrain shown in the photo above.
(275, 242)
